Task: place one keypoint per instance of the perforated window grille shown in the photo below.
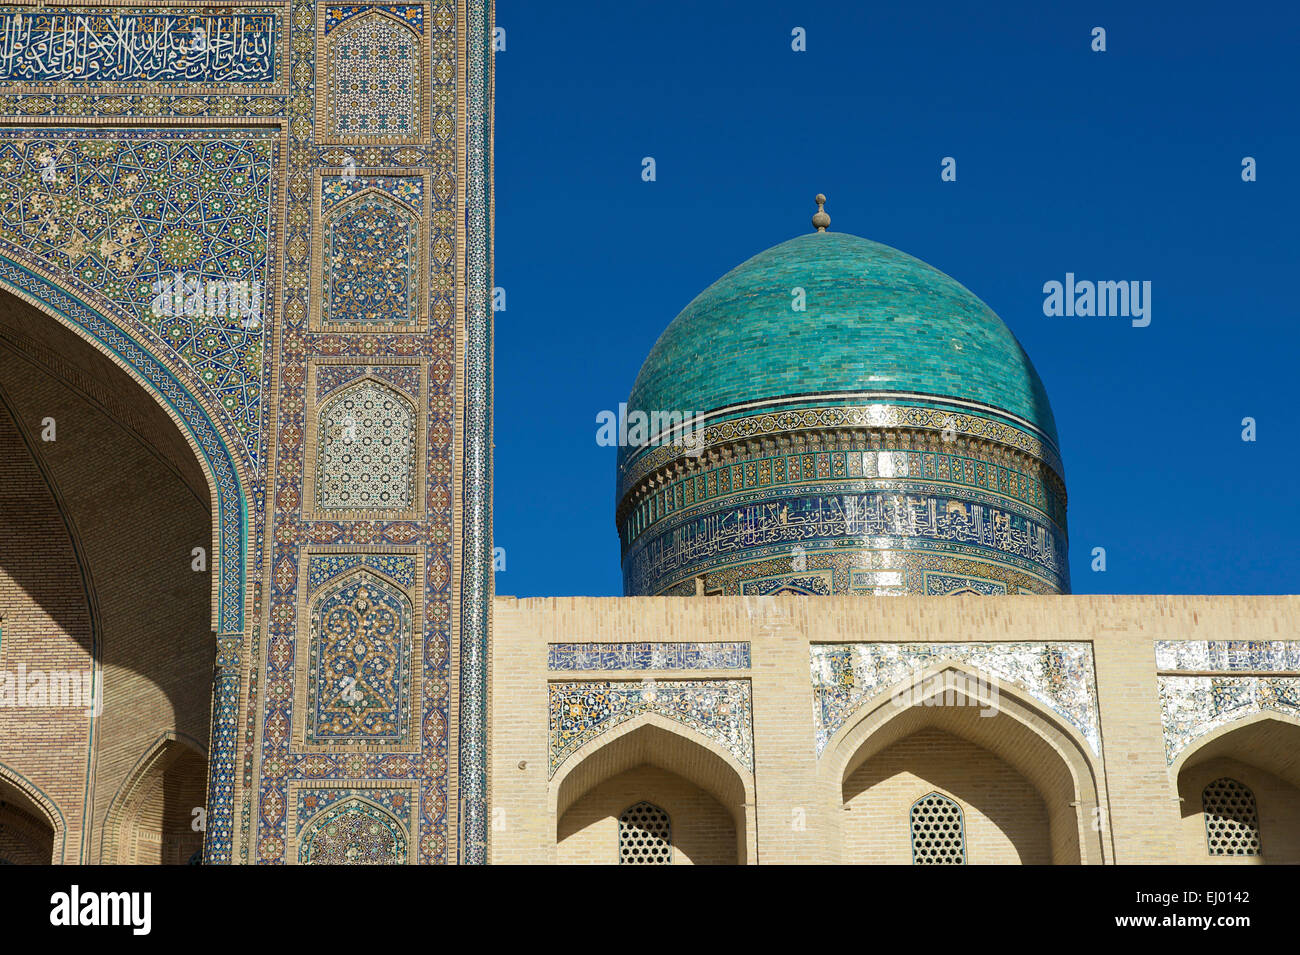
(1231, 819)
(938, 832)
(645, 836)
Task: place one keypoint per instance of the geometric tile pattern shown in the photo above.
(476, 471)
(717, 709)
(274, 762)
(375, 66)
(359, 663)
(648, 656)
(1060, 676)
(272, 518)
(366, 453)
(122, 212)
(1192, 706)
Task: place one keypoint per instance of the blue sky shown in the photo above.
(1117, 165)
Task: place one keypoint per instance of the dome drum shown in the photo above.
(890, 438)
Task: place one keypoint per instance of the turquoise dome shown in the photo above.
(836, 417)
(876, 320)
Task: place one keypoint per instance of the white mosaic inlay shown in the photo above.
(1060, 676)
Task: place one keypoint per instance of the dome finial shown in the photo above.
(820, 219)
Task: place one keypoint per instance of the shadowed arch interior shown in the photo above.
(1262, 755)
(697, 788)
(104, 503)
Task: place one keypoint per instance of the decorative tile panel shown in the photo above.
(353, 831)
(1228, 655)
(719, 710)
(1191, 706)
(907, 517)
(372, 250)
(817, 583)
(366, 451)
(359, 663)
(330, 378)
(156, 222)
(325, 567)
(1060, 676)
(374, 77)
(372, 262)
(142, 47)
(648, 656)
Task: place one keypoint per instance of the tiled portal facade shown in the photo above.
(275, 218)
(245, 491)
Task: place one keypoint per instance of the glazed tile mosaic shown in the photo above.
(1060, 676)
(1192, 706)
(719, 710)
(353, 832)
(325, 567)
(123, 213)
(359, 663)
(1228, 655)
(360, 113)
(366, 451)
(405, 378)
(141, 46)
(696, 542)
(648, 656)
(372, 249)
(375, 69)
(818, 584)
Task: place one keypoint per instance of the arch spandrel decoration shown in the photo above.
(1248, 684)
(353, 831)
(847, 677)
(96, 225)
(719, 710)
(169, 232)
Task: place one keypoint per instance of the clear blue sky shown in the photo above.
(1117, 165)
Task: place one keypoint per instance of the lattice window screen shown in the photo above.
(645, 836)
(938, 831)
(1231, 818)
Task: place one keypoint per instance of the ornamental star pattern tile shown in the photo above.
(125, 211)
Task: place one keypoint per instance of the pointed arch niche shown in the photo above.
(1025, 782)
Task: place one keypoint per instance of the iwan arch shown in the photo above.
(267, 539)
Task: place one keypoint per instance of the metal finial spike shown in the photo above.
(820, 219)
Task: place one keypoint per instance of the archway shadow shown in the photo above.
(103, 509)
